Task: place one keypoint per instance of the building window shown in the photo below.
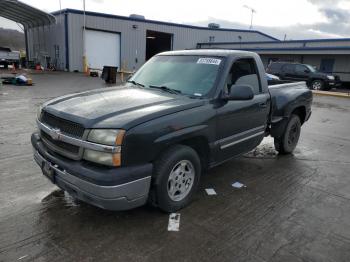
(211, 38)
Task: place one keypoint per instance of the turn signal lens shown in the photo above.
(117, 160)
(120, 137)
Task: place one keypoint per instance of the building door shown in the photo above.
(102, 49)
(327, 65)
(157, 42)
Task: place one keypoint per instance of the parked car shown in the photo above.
(302, 72)
(150, 140)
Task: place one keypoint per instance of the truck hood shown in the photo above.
(119, 107)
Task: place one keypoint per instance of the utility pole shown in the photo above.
(85, 69)
(251, 17)
(59, 1)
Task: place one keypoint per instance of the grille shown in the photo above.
(65, 126)
(72, 149)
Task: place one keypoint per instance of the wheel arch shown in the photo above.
(199, 143)
(300, 112)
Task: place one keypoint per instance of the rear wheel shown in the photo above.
(289, 140)
(176, 177)
(317, 85)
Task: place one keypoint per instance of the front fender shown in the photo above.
(182, 134)
(145, 142)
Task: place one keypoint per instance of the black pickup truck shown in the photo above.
(314, 79)
(151, 139)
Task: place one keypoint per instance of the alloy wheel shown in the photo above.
(180, 180)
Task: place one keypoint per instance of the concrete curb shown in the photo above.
(327, 93)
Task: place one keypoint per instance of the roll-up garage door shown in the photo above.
(102, 49)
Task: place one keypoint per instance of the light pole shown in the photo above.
(251, 18)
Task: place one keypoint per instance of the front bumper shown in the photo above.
(116, 195)
(333, 83)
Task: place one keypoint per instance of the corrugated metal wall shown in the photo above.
(48, 41)
(133, 41)
(281, 44)
(43, 41)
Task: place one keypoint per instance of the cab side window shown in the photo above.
(300, 69)
(288, 68)
(243, 72)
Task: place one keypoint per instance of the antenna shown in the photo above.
(252, 10)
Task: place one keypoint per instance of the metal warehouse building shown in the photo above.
(328, 55)
(126, 42)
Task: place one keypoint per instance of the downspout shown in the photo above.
(66, 39)
(26, 43)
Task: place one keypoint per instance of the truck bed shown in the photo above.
(286, 98)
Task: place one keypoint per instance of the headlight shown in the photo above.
(330, 77)
(38, 112)
(102, 158)
(111, 137)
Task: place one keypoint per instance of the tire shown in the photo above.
(289, 140)
(317, 85)
(166, 193)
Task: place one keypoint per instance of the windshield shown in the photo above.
(190, 75)
(311, 68)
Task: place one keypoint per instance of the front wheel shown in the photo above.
(289, 139)
(176, 177)
(317, 85)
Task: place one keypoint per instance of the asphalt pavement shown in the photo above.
(293, 208)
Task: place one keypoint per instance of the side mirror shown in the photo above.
(240, 92)
(307, 71)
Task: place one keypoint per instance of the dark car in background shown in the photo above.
(302, 72)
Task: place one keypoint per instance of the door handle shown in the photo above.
(263, 105)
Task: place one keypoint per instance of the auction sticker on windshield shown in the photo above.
(209, 61)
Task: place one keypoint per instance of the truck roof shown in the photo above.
(210, 52)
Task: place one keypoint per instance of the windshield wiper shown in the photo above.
(167, 89)
(135, 83)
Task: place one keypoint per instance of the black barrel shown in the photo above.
(109, 74)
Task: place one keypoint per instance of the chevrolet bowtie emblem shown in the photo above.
(55, 133)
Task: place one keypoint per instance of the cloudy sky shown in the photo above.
(298, 19)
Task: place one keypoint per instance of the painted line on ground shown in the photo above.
(327, 93)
